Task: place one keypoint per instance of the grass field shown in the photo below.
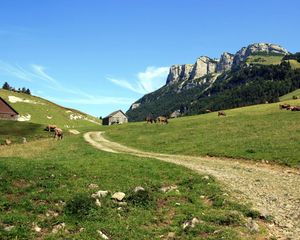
(264, 60)
(290, 95)
(255, 132)
(45, 112)
(15, 131)
(294, 63)
(49, 187)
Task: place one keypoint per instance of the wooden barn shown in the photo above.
(117, 117)
(6, 111)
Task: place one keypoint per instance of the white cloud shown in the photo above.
(148, 81)
(102, 100)
(16, 71)
(153, 78)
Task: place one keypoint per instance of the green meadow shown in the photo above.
(255, 132)
(45, 112)
(44, 184)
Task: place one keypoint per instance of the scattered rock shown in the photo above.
(98, 203)
(205, 177)
(24, 140)
(190, 223)
(93, 186)
(81, 229)
(168, 188)
(252, 225)
(202, 196)
(100, 194)
(138, 189)
(177, 204)
(118, 196)
(9, 228)
(51, 213)
(58, 227)
(102, 235)
(74, 131)
(36, 227)
(122, 203)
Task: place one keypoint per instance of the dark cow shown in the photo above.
(296, 108)
(162, 120)
(284, 106)
(58, 133)
(221, 113)
(150, 119)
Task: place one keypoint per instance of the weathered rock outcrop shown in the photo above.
(225, 62)
(255, 48)
(203, 66)
(179, 73)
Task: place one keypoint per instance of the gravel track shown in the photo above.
(271, 189)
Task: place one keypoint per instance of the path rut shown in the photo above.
(271, 189)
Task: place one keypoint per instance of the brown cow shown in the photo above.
(162, 120)
(221, 113)
(58, 133)
(8, 141)
(284, 106)
(51, 128)
(150, 120)
(296, 108)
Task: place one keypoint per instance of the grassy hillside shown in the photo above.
(45, 112)
(256, 132)
(290, 95)
(294, 64)
(265, 59)
(47, 185)
(15, 131)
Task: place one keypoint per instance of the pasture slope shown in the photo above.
(46, 189)
(38, 110)
(259, 132)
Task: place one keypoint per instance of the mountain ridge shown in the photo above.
(188, 84)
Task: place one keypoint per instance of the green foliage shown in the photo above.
(80, 205)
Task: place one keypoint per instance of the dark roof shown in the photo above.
(113, 113)
(6, 108)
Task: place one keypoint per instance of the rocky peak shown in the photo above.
(203, 66)
(267, 48)
(225, 62)
(179, 73)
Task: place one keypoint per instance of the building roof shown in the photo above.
(115, 112)
(6, 108)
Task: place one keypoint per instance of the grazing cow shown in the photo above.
(50, 128)
(221, 113)
(162, 120)
(284, 106)
(296, 108)
(58, 133)
(150, 120)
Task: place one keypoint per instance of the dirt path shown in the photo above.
(273, 190)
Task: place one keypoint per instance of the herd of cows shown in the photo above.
(289, 107)
(58, 132)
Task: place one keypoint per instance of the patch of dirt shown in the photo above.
(273, 190)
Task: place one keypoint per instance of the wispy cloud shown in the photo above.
(147, 81)
(37, 73)
(92, 100)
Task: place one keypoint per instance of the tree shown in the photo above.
(6, 86)
(28, 91)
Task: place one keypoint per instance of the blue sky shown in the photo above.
(100, 56)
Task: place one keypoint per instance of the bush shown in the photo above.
(80, 205)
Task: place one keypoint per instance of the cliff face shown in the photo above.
(205, 65)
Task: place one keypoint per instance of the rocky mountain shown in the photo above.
(187, 84)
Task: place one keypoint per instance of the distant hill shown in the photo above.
(258, 73)
(41, 111)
